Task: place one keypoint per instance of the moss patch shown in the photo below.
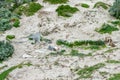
(115, 77)
(116, 22)
(76, 53)
(88, 71)
(112, 61)
(101, 4)
(5, 73)
(56, 1)
(16, 23)
(29, 10)
(107, 28)
(10, 37)
(66, 10)
(86, 44)
(85, 5)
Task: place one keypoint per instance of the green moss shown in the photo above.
(13, 4)
(85, 5)
(76, 53)
(115, 77)
(66, 10)
(56, 1)
(111, 50)
(16, 23)
(9, 37)
(107, 28)
(19, 10)
(112, 61)
(101, 4)
(29, 10)
(86, 44)
(5, 73)
(116, 22)
(88, 71)
(32, 8)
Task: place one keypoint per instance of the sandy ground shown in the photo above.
(81, 26)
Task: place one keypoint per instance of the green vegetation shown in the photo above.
(107, 28)
(29, 10)
(21, 2)
(56, 1)
(13, 4)
(32, 8)
(115, 77)
(115, 9)
(88, 71)
(19, 10)
(5, 25)
(16, 23)
(111, 50)
(10, 37)
(5, 73)
(6, 17)
(66, 10)
(116, 22)
(85, 5)
(6, 50)
(86, 44)
(76, 53)
(101, 4)
(112, 61)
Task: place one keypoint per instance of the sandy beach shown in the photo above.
(81, 26)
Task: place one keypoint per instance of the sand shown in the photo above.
(81, 26)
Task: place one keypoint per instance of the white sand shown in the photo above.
(80, 26)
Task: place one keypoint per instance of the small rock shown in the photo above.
(36, 37)
(52, 48)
